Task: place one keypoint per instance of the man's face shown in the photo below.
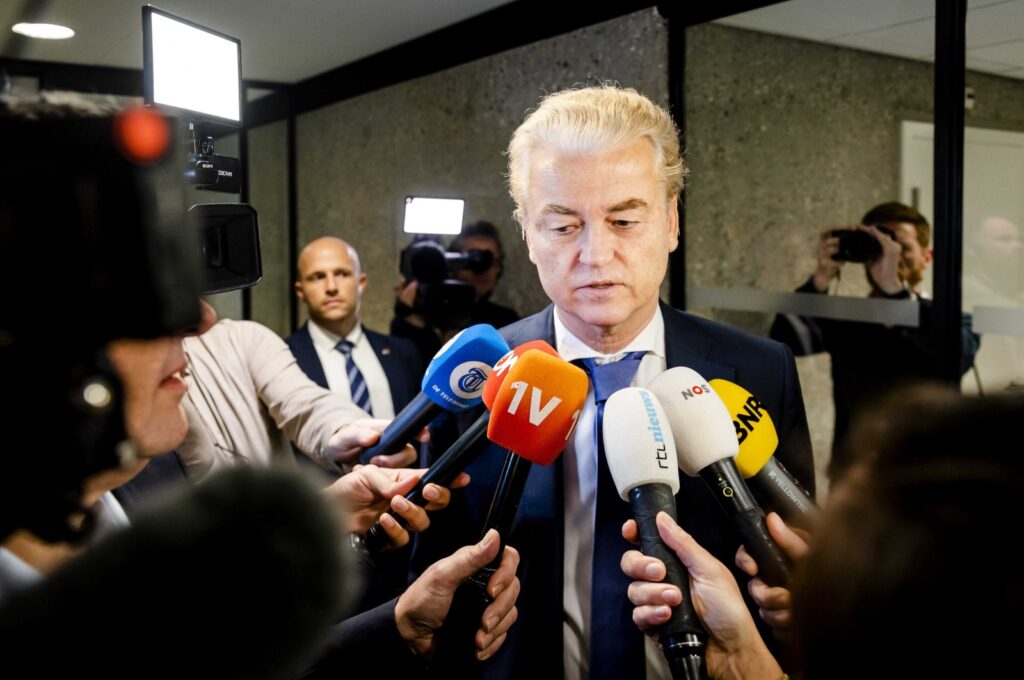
(915, 258)
(329, 282)
(484, 282)
(600, 228)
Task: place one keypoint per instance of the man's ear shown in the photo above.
(298, 291)
(362, 281)
(673, 223)
(929, 255)
(529, 240)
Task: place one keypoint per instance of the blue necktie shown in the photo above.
(616, 644)
(356, 383)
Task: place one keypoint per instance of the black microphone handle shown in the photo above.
(734, 497)
(456, 646)
(444, 470)
(683, 638)
(502, 513)
(457, 458)
(414, 417)
(785, 494)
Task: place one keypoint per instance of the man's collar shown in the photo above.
(327, 340)
(651, 339)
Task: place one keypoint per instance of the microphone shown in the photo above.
(457, 458)
(706, 444)
(533, 414)
(758, 440)
(240, 577)
(453, 382)
(642, 460)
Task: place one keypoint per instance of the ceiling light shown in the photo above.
(44, 31)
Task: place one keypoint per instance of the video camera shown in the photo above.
(445, 302)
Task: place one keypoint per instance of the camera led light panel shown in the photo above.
(191, 68)
(433, 215)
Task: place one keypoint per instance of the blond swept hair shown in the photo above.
(591, 120)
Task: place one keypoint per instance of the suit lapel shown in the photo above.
(687, 345)
(306, 356)
(543, 506)
(404, 386)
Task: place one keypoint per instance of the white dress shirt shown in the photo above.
(333, 361)
(580, 457)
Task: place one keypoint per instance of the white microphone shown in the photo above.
(706, 445)
(642, 460)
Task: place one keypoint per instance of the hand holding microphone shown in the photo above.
(774, 602)
(457, 458)
(734, 646)
(706, 444)
(368, 493)
(533, 414)
(643, 464)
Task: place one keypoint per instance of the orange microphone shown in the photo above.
(533, 414)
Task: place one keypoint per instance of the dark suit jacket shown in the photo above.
(398, 358)
(534, 645)
(365, 645)
(868, 360)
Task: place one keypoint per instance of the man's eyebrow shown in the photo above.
(552, 209)
(628, 204)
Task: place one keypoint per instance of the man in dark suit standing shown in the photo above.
(381, 374)
(596, 175)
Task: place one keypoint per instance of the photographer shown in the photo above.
(443, 292)
(868, 359)
(484, 236)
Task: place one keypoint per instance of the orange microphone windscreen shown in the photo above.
(501, 369)
(536, 408)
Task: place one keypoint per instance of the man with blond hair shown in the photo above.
(596, 175)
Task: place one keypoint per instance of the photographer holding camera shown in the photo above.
(443, 292)
(893, 243)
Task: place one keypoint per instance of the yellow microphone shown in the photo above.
(758, 441)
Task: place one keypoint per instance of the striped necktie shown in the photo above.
(356, 383)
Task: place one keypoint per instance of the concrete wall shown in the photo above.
(268, 191)
(443, 135)
(785, 137)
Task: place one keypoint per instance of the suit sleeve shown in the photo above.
(365, 645)
(794, 438)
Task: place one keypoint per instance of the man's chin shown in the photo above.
(595, 316)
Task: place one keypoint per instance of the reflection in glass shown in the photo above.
(993, 270)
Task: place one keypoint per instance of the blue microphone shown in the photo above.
(454, 382)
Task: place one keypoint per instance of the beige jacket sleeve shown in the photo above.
(307, 413)
(247, 397)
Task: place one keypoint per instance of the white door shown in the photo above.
(993, 275)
